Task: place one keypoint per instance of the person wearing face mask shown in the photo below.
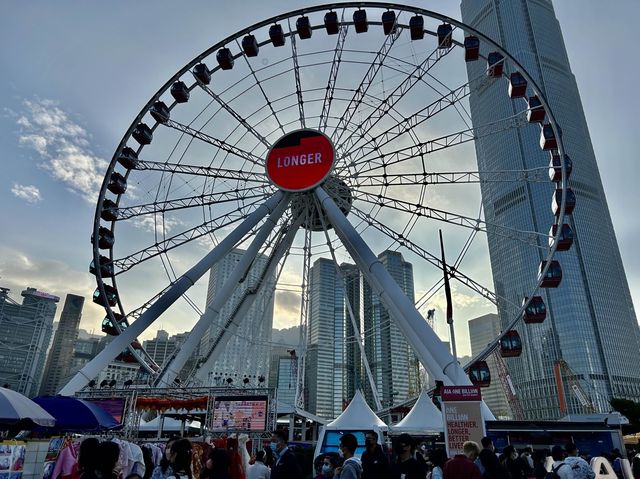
(375, 463)
(351, 467)
(258, 470)
(164, 469)
(286, 464)
(406, 466)
(517, 467)
(327, 468)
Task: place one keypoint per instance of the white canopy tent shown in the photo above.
(424, 417)
(357, 416)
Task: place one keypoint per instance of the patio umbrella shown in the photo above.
(18, 411)
(76, 415)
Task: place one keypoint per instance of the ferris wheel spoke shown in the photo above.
(427, 256)
(333, 75)
(218, 143)
(365, 84)
(197, 170)
(296, 71)
(532, 175)
(530, 238)
(375, 160)
(157, 207)
(396, 95)
(222, 221)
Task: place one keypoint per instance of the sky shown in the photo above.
(76, 73)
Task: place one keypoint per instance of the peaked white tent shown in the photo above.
(357, 416)
(423, 417)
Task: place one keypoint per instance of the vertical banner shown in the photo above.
(462, 413)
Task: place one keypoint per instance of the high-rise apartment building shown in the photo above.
(163, 346)
(283, 375)
(60, 358)
(482, 331)
(340, 302)
(591, 322)
(248, 349)
(25, 333)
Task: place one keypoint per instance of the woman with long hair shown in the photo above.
(164, 470)
(180, 458)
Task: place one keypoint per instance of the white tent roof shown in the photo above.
(170, 424)
(357, 415)
(424, 416)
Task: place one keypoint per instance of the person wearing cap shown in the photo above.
(581, 468)
(561, 468)
(407, 466)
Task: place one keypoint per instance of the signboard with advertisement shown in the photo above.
(114, 406)
(462, 413)
(12, 455)
(240, 413)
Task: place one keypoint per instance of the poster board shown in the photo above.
(462, 413)
(12, 455)
(240, 413)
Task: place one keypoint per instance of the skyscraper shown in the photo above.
(25, 333)
(247, 351)
(482, 331)
(591, 322)
(60, 358)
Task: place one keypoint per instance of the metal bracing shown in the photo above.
(534, 175)
(91, 370)
(173, 368)
(333, 75)
(296, 71)
(206, 171)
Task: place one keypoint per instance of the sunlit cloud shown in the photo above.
(62, 146)
(29, 193)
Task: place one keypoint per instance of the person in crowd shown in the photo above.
(561, 468)
(87, 457)
(180, 458)
(147, 457)
(462, 466)
(581, 468)
(635, 466)
(217, 465)
(258, 470)
(286, 464)
(375, 463)
(488, 462)
(616, 462)
(327, 467)
(351, 467)
(107, 458)
(406, 465)
(527, 457)
(518, 468)
(539, 460)
(164, 470)
(438, 459)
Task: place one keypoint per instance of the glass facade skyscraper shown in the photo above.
(591, 322)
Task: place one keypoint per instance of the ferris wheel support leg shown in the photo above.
(181, 285)
(431, 352)
(212, 312)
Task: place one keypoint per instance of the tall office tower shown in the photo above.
(85, 348)
(354, 372)
(162, 346)
(393, 363)
(591, 322)
(283, 376)
(60, 356)
(324, 364)
(248, 349)
(482, 331)
(25, 333)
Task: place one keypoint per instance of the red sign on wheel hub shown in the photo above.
(300, 160)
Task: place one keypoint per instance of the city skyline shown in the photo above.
(30, 259)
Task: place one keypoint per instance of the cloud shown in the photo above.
(63, 147)
(29, 193)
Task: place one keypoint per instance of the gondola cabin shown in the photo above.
(565, 240)
(202, 73)
(331, 23)
(471, 48)
(360, 21)
(303, 26)
(548, 138)
(117, 183)
(557, 201)
(553, 276)
(106, 239)
(479, 374)
(180, 92)
(517, 85)
(536, 310)
(250, 46)
(224, 57)
(389, 22)
(535, 113)
(510, 344)
(126, 356)
(495, 64)
(111, 298)
(109, 328)
(444, 36)
(106, 267)
(416, 27)
(109, 211)
(128, 158)
(160, 112)
(276, 35)
(555, 166)
(142, 134)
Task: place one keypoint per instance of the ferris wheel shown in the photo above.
(334, 131)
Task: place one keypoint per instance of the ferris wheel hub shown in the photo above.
(306, 206)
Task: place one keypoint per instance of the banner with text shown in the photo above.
(462, 412)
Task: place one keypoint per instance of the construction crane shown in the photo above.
(509, 390)
(562, 371)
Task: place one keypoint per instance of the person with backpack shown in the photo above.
(559, 469)
(581, 468)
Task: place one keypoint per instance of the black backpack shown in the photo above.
(553, 473)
